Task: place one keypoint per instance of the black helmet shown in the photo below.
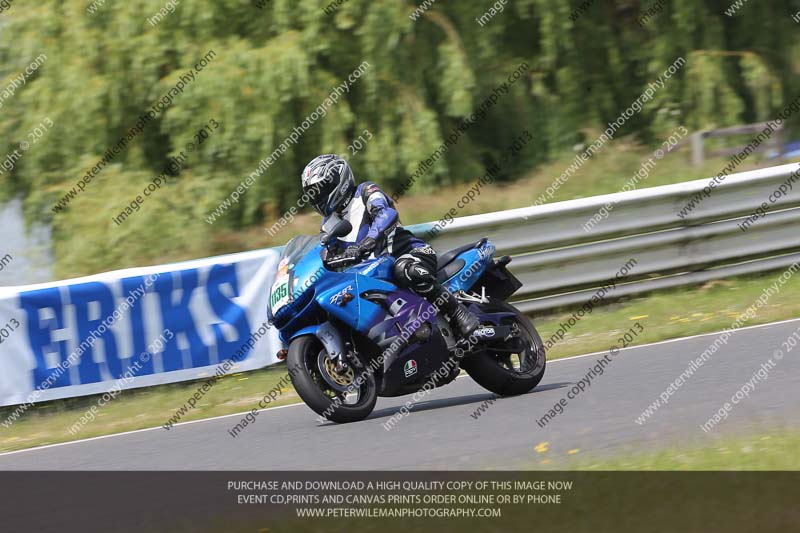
(328, 182)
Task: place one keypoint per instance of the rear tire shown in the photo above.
(495, 371)
(318, 394)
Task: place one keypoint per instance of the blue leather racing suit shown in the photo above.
(372, 214)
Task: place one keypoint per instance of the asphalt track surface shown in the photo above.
(440, 432)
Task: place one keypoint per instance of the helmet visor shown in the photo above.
(318, 195)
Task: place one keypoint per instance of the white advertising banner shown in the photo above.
(159, 324)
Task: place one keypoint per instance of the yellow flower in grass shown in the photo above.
(542, 447)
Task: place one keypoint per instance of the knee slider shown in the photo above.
(401, 270)
(419, 275)
(409, 271)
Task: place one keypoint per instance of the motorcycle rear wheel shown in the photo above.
(504, 372)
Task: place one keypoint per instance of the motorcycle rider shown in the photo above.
(328, 180)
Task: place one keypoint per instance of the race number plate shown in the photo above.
(280, 293)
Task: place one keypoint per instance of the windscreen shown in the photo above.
(299, 267)
(298, 247)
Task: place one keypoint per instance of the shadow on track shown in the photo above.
(457, 400)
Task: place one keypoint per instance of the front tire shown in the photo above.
(307, 360)
(506, 372)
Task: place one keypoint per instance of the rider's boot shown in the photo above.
(459, 315)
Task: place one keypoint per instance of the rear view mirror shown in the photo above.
(341, 229)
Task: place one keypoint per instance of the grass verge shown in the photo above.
(673, 313)
(771, 451)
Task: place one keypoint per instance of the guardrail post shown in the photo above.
(779, 142)
(697, 149)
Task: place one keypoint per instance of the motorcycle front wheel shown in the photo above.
(340, 397)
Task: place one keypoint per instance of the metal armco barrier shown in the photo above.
(560, 263)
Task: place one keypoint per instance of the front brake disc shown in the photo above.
(339, 381)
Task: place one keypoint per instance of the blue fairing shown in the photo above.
(378, 268)
(310, 330)
(316, 294)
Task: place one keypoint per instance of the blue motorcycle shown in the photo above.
(354, 335)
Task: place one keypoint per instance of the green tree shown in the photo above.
(274, 66)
